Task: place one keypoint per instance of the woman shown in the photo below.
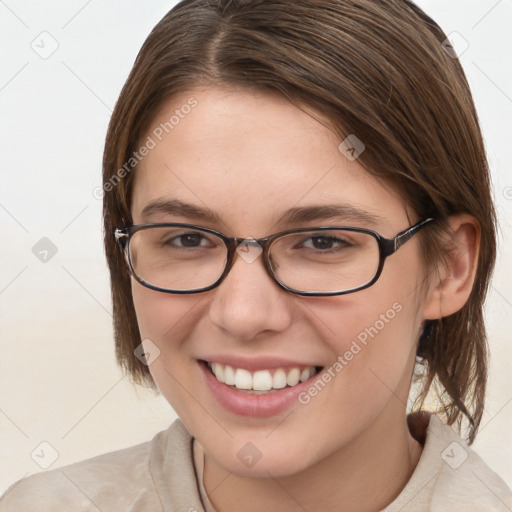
(297, 220)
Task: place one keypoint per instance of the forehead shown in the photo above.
(248, 156)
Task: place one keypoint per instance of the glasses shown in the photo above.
(322, 261)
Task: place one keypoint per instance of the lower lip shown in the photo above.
(245, 404)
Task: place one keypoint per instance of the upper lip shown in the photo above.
(257, 363)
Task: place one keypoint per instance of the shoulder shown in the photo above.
(119, 480)
(464, 477)
(451, 476)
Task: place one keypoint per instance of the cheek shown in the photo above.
(166, 320)
(374, 338)
(376, 356)
(162, 316)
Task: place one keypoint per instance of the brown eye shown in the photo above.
(186, 240)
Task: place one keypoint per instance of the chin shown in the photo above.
(259, 458)
(278, 465)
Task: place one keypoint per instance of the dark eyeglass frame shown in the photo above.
(387, 246)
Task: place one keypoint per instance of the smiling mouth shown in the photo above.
(261, 381)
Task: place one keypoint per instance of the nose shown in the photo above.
(249, 302)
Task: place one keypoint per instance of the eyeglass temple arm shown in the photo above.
(407, 234)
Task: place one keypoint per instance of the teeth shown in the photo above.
(279, 379)
(293, 377)
(218, 371)
(304, 375)
(243, 379)
(229, 376)
(261, 380)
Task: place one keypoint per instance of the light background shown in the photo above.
(59, 380)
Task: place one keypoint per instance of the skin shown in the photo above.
(249, 156)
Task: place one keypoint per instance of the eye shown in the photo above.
(187, 240)
(326, 243)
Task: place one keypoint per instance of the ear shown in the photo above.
(452, 284)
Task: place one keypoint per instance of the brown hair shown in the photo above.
(377, 69)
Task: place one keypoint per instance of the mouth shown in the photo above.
(261, 382)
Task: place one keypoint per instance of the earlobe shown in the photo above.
(454, 279)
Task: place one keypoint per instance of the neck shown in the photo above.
(365, 476)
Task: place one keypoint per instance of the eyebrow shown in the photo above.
(343, 212)
(294, 215)
(175, 207)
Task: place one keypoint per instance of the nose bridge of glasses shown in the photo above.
(249, 249)
(261, 242)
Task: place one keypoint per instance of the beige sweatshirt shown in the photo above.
(165, 475)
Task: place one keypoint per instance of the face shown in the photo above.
(249, 157)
